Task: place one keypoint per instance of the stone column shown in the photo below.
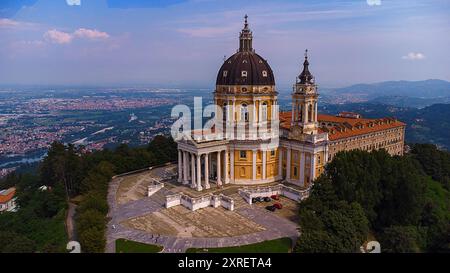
(313, 167)
(234, 111)
(232, 165)
(294, 106)
(255, 118)
(315, 112)
(219, 175)
(210, 165)
(260, 119)
(180, 168)
(280, 162)
(207, 186)
(254, 165)
(193, 184)
(199, 173)
(229, 105)
(185, 167)
(225, 165)
(305, 116)
(288, 165)
(264, 161)
(302, 169)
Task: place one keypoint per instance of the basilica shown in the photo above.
(257, 144)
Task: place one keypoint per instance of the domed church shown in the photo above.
(252, 143)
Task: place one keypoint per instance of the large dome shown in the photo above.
(245, 67)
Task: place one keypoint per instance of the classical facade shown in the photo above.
(252, 143)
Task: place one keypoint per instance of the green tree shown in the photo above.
(400, 239)
(92, 240)
(12, 242)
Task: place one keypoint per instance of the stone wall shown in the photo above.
(249, 193)
(173, 200)
(195, 203)
(154, 187)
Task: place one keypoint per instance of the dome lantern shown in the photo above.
(245, 67)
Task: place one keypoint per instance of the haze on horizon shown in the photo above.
(183, 42)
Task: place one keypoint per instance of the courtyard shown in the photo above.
(136, 217)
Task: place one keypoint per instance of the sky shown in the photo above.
(182, 43)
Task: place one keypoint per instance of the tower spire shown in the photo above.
(306, 76)
(245, 37)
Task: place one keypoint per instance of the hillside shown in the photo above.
(400, 93)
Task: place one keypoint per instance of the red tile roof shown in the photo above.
(7, 195)
(347, 127)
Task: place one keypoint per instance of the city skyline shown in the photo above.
(181, 43)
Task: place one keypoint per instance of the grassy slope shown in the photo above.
(126, 246)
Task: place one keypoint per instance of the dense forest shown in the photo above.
(70, 173)
(402, 202)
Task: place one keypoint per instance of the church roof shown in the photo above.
(343, 127)
(245, 67)
(7, 195)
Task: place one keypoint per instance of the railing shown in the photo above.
(249, 193)
(194, 203)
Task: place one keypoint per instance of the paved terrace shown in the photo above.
(134, 216)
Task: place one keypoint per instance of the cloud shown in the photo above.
(374, 2)
(60, 37)
(73, 2)
(9, 23)
(413, 56)
(92, 34)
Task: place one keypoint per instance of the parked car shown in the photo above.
(255, 200)
(275, 197)
(267, 199)
(278, 205)
(260, 199)
(271, 208)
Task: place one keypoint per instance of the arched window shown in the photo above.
(310, 113)
(225, 111)
(264, 111)
(300, 112)
(243, 73)
(244, 112)
(264, 73)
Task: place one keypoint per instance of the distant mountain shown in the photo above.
(400, 93)
(404, 101)
(418, 89)
(428, 125)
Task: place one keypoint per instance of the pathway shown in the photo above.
(275, 226)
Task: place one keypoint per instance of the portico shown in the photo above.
(201, 166)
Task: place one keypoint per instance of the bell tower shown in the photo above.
(304, 102)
